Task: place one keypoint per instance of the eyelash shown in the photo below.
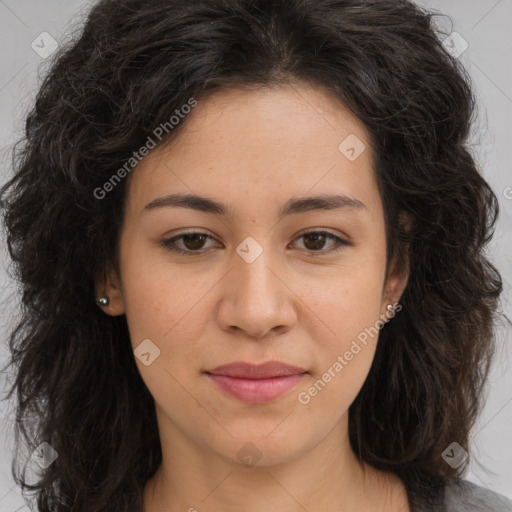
(169, 243)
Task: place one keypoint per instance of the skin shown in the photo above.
(254, 150)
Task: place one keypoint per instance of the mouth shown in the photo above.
(256, 384)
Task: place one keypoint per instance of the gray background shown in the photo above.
(484, 24)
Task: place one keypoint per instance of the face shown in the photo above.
(270, 274)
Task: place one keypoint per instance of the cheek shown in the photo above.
(169, 307)
(343, 359)
(164, 323)
(158, 296)
(349, 298)
(349, 307)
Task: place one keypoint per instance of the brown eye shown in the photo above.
(194, 241)
(187, 243)
(314, 241)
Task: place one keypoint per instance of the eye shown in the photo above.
(314, 241)
(194, 242)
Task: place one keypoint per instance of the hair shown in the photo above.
(132, 65)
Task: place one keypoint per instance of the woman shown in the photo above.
(250, 238)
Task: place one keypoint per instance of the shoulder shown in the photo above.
(464, 496)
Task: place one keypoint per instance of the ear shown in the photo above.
(108, 284)
(398, 271)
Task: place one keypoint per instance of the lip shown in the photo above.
(256, 383)
(265, 370)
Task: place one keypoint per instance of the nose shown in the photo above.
(256, 299)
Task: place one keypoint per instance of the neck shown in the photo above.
(328, 477)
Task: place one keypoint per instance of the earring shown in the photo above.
(103, 301)
(390, 307)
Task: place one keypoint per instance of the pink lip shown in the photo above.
(256, 384)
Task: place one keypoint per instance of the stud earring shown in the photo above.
(103, 301)
(390, 307)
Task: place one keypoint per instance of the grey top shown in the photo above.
(466, 496)
(457, 496)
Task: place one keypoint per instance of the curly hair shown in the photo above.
(130, 67)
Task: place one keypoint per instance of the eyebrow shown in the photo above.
(293, 206)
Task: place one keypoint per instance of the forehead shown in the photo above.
(266, 143)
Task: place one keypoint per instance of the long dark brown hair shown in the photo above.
(134, 63)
